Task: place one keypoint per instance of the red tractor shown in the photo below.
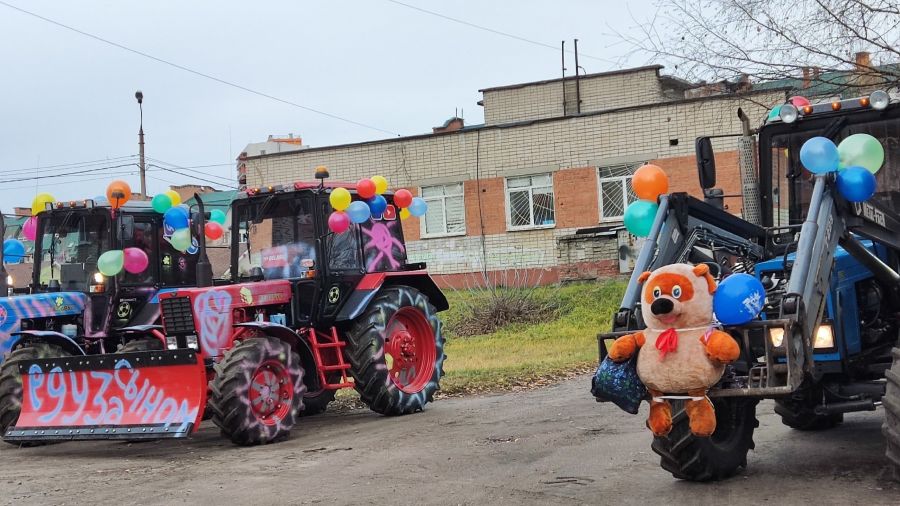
(303, 312)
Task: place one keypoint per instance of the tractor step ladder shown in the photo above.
(322, 345)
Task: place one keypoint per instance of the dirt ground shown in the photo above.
(549, 446)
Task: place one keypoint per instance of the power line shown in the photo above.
(228, 179)
(52, 176)
(497, 32)
(190, 175)
(59, 183)
(197, 72)
(71, 165)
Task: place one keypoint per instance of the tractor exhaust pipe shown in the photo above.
(204, 268)
(4, 276)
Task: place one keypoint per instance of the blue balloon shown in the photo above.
(738, 299)
(359, 212)
(13, 251)
(418, 206)
(377, 205)
(819, 155)
(856, 184)
(176, 217)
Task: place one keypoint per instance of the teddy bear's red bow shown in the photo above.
(667, 342)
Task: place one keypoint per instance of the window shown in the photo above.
(446, 210)
(615, 190)
(529, 202)
(281, 238)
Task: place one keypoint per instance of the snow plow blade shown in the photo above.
(139, 395)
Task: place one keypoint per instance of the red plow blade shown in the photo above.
(140, 395)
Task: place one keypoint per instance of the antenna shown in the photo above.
(563, 55)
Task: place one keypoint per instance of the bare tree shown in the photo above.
(843, 44)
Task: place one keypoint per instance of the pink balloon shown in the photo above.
(338, 222)
(29, 229)
(136, 260)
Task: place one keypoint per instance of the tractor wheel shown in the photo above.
(800, 416)
(891, 426)
(11, 382)
(257, 392)
(719, 456)
(316, 402)
(396, 352)
(141, 344)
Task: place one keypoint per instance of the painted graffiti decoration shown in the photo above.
(372, 205)
(383, 249)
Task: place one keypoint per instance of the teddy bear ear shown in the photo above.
(643, 277)
(702, 271)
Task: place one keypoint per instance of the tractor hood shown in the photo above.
(39, 305)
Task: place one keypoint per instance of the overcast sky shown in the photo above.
(67, 98)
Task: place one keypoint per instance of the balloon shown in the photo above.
(338, 222)
(340, 199)
(404, 213)
(176, 217)
(377, 205)
(118, 193)
(819, 155)
(13, 251)
(365, 188)
(861, 150)
(110, 263)
(173, 196)
(359, 212)
(856, 184)
(135, 260)
(29, 228)
(161, 203)
(181, 239)
(213, 230)
(738, 299)
(194, 247)
(649, 182)
(39, 204)
(639, 216)
(774, 113)
(381, 184)
(403, 198)
(218, 216)
(418, 207)
(799, 101)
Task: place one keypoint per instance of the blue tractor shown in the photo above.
(71, 309)
(827, 341)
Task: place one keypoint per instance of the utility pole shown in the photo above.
(140, 100)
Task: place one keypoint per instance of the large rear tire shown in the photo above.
(719, 456)
(257, 392)
(891, 426)
(11, 381)
(396, 352)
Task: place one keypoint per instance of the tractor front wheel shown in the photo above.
(396, 352)
(799, 415)
(141, 344)
(891, 402)
(11, 380)
(719, 456)
(316, 401)
(257, 392)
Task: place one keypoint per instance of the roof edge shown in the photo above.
(632, 70)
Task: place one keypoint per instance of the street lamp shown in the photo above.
(140, 100)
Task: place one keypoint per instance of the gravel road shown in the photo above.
(549, 446)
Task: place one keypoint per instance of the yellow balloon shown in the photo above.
(340, 199)
(404, 213)
(381, 184)
(39, 204)
(176, 198)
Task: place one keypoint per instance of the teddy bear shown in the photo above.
(681, 354)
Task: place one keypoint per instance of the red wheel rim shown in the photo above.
(409, 350)
(271, 392)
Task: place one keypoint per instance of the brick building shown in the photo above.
(541, 186)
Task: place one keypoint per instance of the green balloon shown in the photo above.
(181, 239)
(110, 263)
(161, 203)
(861, 150)
(218, 216)
(639, 216)
(774, 112)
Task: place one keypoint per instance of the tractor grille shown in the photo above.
(177, 316)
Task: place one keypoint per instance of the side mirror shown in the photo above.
(706, 162)
(127, 228)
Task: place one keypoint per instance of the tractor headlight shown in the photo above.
(98, 278)
(824, 336)
(788, 113)
(879, 100)
(9, 285)
(776, 335)
(97, 283)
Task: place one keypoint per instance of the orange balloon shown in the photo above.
(649, 182)
(118, 193)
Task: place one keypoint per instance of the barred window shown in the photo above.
(615, 190)
(446, 210)
(529, 202)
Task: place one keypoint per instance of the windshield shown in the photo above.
(792, 184)
(277, 237)
(69, 247)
